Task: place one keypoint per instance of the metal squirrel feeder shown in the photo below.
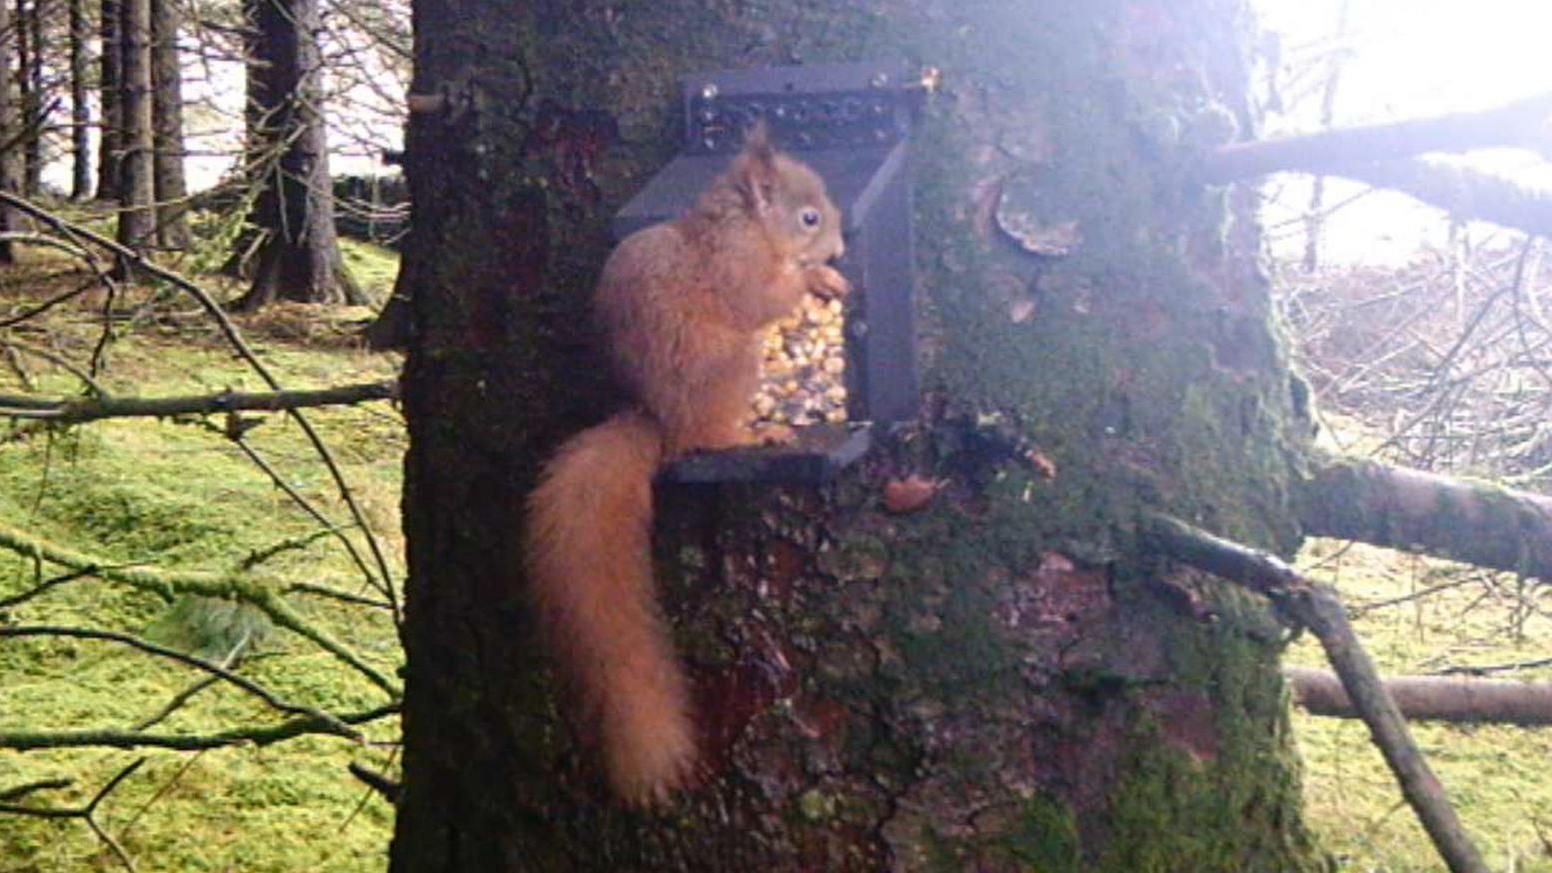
(851, 123)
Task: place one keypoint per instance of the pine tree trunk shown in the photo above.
(299, 257)
(137, 214)
(10, 125)
(110, 143)
(29, 79)
(80, 110)
(1006, 679)
(172, 226)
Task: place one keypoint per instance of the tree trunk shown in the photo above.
(239, 264)
(10, 125)
(299, 257)
(1005, 679)
(172, 226)
(29, 80)
(80, 111)
(110, 143)
(137, 212)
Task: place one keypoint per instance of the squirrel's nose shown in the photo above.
(840, 249)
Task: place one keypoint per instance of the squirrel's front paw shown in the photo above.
(767, 434)
(826, 281)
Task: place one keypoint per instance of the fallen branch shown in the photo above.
(1317, 607)
(1520, 123)
(75, 410)
(258, 736)
(1472, 522)
(1432, 698)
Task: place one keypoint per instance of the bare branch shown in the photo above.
(1474, 522)
(17, 792)
(1461, 192)
(194, 661)
(388, 788)
(1337, 151)
(75, 410)
(87, 813)
(258, 736)
(1318, 608)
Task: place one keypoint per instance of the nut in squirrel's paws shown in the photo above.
(769, 434)
(826, 281)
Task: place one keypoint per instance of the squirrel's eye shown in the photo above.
(810, 217)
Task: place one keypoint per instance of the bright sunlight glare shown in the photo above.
(1405, 59)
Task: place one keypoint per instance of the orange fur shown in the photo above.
(683, 304)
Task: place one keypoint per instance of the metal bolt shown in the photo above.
(709, 91)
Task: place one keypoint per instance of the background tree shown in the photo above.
(10, 130)
(1007, 679)
(137, 213)
(171, 189)
(298, 257)
(30, 24)
(109, 143)
(80, 109)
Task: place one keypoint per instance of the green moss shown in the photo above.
(176, 495)
(1175, 811)
(373, 267)
(1044, 839)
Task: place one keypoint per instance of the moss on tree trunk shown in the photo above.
(1003, 680)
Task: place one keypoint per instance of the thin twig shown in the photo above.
(76, 410)
(194, 661)
(23, 740)
(86, 813)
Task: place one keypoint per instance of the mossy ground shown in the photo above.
(175, 494)
(1496, 776)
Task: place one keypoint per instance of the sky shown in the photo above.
(1403, 59)
(1408, 59)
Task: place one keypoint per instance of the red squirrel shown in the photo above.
(683, 305)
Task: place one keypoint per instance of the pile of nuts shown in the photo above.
(804, 367)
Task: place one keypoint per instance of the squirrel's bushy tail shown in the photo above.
(588, 553)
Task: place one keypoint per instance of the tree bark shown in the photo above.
(29, 78)
(1004, 680)
(298, 257)
(172, 226)
(110, 144)
(80, 111)
(137, 212)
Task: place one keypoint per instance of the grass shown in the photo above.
(178, 495)
(1497, 776)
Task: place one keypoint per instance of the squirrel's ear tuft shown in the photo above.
(757, 141)
(754, 171)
